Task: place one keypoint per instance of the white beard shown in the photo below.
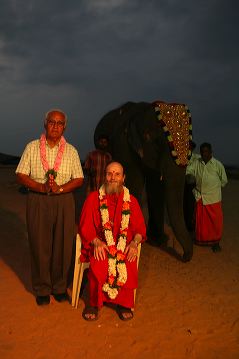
(113, 188)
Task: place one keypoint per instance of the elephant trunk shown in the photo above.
(174, 192)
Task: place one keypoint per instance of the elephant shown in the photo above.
(153, 143)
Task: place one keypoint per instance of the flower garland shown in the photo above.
(117, 272)
(57, 163)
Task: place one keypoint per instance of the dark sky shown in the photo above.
(90, 56)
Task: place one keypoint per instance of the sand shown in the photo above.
(182, 310)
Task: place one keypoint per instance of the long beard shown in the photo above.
(113, 187)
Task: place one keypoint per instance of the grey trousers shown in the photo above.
(51, 230)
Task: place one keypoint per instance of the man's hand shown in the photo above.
(52, 185)
(190, 179)
(131, 251)
(99, 249)
(47, 186)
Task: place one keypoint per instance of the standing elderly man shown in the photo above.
(50, 168)
(210, 177)
(111, 227)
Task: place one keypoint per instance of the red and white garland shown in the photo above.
(117, 271)
(57, 163)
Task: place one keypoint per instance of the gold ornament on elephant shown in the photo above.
(177, 125)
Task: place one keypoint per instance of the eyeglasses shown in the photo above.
(56, 123)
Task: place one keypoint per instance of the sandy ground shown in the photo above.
(182, 310)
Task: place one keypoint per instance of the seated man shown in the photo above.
(111, 227)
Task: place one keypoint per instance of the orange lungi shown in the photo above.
(209, 223)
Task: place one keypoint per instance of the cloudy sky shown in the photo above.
(90, 56)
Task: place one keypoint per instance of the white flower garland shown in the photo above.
(117, 271)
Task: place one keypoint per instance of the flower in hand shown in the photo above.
(51, 185)
(51, 173)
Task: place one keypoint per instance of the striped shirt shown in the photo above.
(30, 163)
(95, 164)
(210, 177)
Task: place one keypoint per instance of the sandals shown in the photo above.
(123, 310)
(89, 312)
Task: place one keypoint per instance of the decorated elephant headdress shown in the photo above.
(175, 119)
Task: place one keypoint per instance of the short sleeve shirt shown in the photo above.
(210, 177)
(31, 165)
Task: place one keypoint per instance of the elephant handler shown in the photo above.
(111, 227)
(210, 177)
(50, 168)
(95, 164)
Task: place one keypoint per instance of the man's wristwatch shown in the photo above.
(61, 189)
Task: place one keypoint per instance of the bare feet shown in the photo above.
(124, 313)
(90, 313)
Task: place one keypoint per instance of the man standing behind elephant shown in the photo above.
(210, 176)
(95, 164)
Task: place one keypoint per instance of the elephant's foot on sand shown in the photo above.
(187, 256)
(157, 242)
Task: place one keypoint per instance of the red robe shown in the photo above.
(90, 227)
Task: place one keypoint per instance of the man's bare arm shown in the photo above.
(67, 187)
(28, 182)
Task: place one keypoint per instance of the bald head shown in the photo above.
(115, 166)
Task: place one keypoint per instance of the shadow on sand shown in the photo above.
(14, 247)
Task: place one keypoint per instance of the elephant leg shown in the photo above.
(189, 206)
(155, 200)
